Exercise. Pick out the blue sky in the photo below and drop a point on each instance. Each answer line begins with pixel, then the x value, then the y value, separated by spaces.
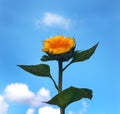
pixel 25 24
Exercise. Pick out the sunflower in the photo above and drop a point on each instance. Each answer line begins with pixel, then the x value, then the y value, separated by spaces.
pixel 58 45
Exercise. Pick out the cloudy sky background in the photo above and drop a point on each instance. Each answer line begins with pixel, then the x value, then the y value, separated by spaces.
pixel 25 24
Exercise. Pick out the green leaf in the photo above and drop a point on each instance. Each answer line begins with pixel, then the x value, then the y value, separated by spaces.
pixel 72 94
pixel 38 70
pixel 46 58
pixel 84 55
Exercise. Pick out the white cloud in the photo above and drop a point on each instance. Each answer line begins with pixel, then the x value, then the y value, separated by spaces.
pixel 41 96
pixel 48 110
pixel 30 111
pixel 20 93
pixel 53 20
pixel 84 105
pixel 44 92
pixel 3 105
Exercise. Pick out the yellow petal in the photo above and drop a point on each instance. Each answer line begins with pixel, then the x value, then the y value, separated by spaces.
pixel 58 44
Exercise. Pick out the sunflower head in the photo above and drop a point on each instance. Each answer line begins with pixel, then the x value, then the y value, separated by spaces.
pixel 59 47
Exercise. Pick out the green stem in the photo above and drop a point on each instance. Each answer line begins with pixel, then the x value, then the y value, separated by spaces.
pixel 62 110
pixel 60 77
pixel 54 82
pixel 67 66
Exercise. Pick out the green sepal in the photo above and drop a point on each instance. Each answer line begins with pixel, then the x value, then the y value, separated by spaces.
pixel 72 94
pixel 84 55
pixel 46 58
pixel 38 70
pixel 59 57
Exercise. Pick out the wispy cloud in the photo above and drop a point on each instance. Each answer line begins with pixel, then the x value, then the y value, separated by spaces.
pixel 82 111
pixel 48 109
pixel 53 20
pixel 3 105
pixel 20 93
pixel 30 111
pixel 84 107
pixel 70 112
